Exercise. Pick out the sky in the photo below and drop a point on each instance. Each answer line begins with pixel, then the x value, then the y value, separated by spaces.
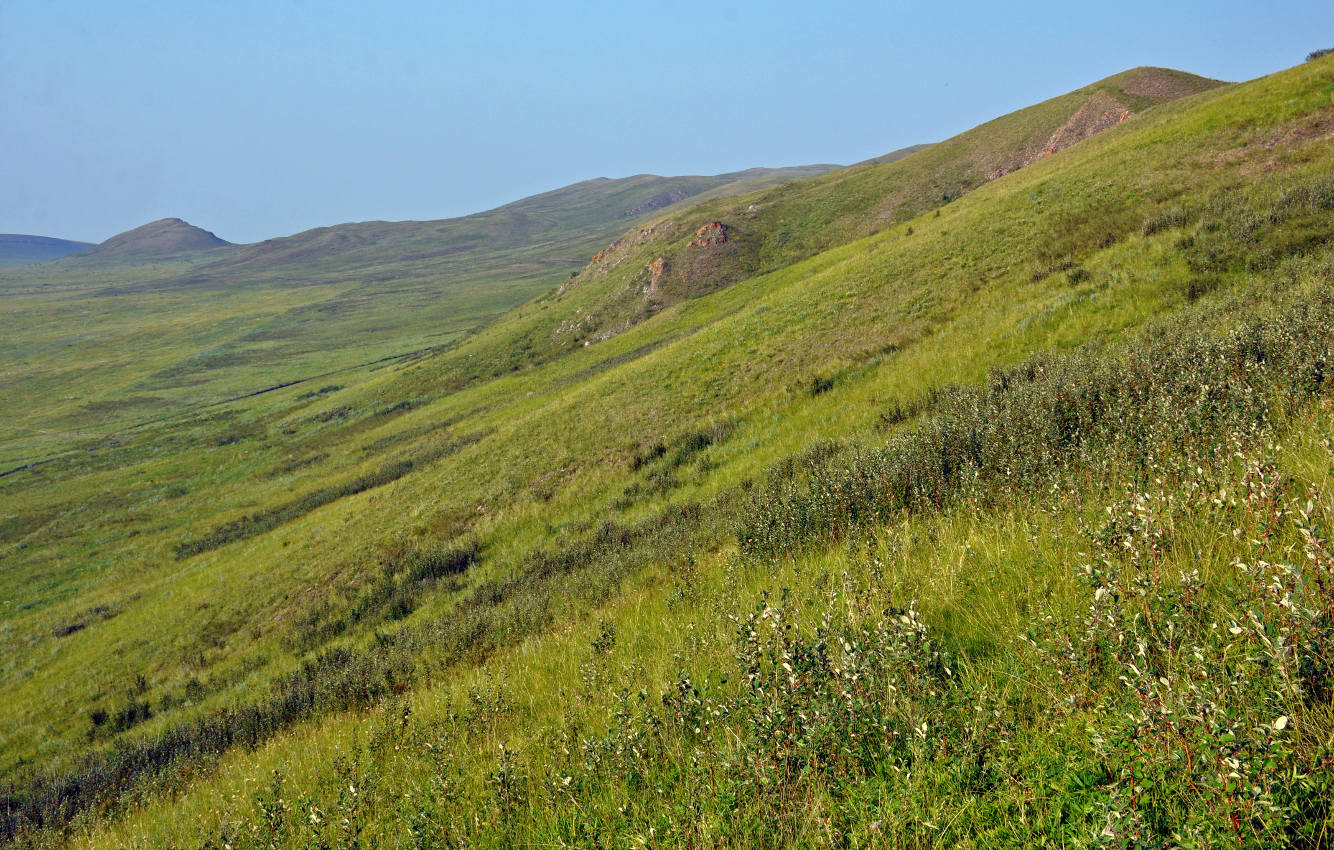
pixel 262 119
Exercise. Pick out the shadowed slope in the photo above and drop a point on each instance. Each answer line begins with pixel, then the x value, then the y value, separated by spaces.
pixel 17 249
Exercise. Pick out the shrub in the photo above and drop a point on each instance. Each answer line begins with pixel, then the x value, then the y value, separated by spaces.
pixel 1198 691
pixel 1168 218
pixel 815 385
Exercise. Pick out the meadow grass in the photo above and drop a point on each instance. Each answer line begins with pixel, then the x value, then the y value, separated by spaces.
pixel 641 721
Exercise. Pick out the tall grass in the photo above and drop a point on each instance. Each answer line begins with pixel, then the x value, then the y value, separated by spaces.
pixel 581 509
pixel 1053 421
pixel 1175 700
pixel 496 614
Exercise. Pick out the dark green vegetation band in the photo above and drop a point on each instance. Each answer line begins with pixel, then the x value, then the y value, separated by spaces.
pixel 497 614
pixel 1052 419
pixel 258 523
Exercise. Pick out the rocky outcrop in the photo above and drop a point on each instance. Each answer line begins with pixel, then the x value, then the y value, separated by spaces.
pixel 610 257
pixel 655 272
pixel 1102 112
pixel 713 233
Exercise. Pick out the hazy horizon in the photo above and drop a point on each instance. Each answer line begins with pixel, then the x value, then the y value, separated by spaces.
pixel 260 120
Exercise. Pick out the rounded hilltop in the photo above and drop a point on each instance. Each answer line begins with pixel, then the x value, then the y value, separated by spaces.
pixel 166 237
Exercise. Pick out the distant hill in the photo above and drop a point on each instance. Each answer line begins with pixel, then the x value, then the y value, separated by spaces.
pixel 231 319
pixel 545 222
pixel 163 239
pixel 18 249
pixel 527 238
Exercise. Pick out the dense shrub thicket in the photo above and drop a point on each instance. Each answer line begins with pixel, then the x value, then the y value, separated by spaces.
pixel 1195 710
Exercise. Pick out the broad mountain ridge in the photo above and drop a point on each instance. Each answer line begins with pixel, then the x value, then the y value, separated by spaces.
pixel 17 249
pixel 548 219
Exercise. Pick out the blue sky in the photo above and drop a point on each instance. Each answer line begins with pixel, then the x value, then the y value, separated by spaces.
pixel 258 119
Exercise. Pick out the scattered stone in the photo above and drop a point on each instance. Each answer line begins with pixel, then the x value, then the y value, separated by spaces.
pixel 713 233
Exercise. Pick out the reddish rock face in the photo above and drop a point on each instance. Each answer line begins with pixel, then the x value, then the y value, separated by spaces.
pixel 1102 112
pixel 713 233
pixel 655 270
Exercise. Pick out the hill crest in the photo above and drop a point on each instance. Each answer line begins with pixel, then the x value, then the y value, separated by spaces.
pixel 599 206
pixel 166 237
pixel 650 268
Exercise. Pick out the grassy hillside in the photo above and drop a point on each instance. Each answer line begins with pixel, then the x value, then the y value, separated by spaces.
pixel 20 250
pixel 996 526
pixel 709 246
pixel 167 317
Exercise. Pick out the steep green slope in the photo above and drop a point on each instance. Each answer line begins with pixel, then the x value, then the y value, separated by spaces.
pixel 183 319
pixel 21 250
pixel 714 245
pixel 520 612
